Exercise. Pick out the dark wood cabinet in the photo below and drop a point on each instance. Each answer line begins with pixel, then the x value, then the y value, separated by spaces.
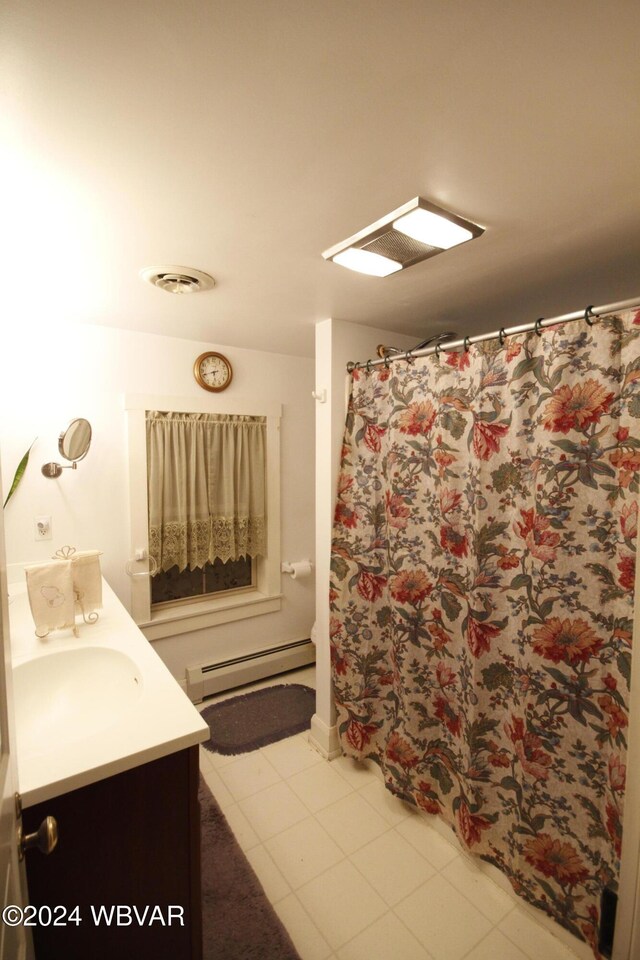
pixel 129 840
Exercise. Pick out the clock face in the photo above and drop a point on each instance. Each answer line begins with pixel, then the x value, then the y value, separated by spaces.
pixel 213 371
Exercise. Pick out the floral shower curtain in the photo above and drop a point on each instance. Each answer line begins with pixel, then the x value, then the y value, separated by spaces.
pixel 482 597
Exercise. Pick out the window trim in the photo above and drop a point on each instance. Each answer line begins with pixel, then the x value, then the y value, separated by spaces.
pixel 266 597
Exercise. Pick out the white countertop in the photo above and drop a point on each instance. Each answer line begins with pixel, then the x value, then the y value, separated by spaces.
pixel 159 722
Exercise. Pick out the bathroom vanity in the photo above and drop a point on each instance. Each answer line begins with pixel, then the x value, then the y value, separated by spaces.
pixel 107 744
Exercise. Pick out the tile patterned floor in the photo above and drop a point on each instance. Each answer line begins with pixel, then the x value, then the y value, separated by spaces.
pixel 354 873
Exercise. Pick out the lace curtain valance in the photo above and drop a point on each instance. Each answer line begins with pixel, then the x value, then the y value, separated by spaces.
pixel 207 488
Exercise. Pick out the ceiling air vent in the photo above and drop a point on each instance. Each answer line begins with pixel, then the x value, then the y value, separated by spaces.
pixel 177 279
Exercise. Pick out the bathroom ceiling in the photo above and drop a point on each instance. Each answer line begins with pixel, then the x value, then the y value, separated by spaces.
pixel 244 138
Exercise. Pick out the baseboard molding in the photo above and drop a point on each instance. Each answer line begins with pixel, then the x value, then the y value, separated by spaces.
pixel 324 738
pixel 203 680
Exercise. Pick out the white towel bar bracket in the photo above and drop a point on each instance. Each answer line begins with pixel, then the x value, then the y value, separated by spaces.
pixel 140 557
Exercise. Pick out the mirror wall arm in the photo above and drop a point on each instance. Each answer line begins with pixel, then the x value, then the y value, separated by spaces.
pixel 53 470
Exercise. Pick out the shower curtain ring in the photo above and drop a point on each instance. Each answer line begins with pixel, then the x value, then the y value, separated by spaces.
pixel 368 366
pixel 437 351
pixel 409 357
pixel 466 343
pixel 386 362
pixel 502 336
pixel 537 327
pixel 588 314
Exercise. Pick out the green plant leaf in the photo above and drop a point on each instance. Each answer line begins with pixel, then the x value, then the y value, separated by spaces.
pixel 22 466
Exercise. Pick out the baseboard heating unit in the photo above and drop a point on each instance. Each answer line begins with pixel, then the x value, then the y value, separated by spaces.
pixel 206 679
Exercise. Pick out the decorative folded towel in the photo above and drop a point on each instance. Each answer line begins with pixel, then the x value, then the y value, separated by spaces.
pixel 87 579
pixel 51 596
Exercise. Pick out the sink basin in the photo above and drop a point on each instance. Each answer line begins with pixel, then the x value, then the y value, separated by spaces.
pixel 68 696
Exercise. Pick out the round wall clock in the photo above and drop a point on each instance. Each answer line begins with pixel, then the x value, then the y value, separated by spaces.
pixel 213 371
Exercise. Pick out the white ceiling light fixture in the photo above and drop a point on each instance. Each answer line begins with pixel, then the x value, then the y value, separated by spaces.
pixel 414 232
pixel 432 229
pixel 363 261
pixel 174 279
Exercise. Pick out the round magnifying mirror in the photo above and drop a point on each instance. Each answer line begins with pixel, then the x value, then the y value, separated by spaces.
pixel 74 442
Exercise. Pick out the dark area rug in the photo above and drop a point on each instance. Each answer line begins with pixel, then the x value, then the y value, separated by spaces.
pixel 253 720
pixel 238 922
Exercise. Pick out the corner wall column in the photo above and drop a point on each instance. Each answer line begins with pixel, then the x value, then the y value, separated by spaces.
pixel 329 421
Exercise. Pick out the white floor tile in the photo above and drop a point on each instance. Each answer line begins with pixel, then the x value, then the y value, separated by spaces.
pixel 303 852
pixel 292 755
pixel 319 786
pixel 495 946
pixel 273 883
pixel 469 879
pixel 392 866
pixel 218 760
pixel 242 829
pixel 427 841
pixel 387 805
pixel 341 903
pixel 533 939
pixel 386 939
pixel 445 922
pixel 273 810
pixel 248 775
pixel 307 939
pixel 352 822
pixel 356 773
pixel 212 779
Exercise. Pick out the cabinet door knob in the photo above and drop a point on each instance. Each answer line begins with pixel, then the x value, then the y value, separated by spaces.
pixel 45 838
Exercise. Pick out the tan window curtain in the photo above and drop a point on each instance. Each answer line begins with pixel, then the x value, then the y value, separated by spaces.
pixel 207 488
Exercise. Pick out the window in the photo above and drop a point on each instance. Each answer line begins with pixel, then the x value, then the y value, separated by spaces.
pixel 169 586
pixel 206 487
pixel 214 538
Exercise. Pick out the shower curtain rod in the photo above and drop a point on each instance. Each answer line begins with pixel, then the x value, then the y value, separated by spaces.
pixel 450 345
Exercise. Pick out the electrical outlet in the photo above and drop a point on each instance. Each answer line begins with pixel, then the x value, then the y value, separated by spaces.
pixel 42 528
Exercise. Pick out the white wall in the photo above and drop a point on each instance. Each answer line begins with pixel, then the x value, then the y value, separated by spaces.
pixel 337 342
pixel 48 377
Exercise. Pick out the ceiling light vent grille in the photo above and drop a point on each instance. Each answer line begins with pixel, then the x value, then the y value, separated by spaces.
pixel 177 279
pixel 403 249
